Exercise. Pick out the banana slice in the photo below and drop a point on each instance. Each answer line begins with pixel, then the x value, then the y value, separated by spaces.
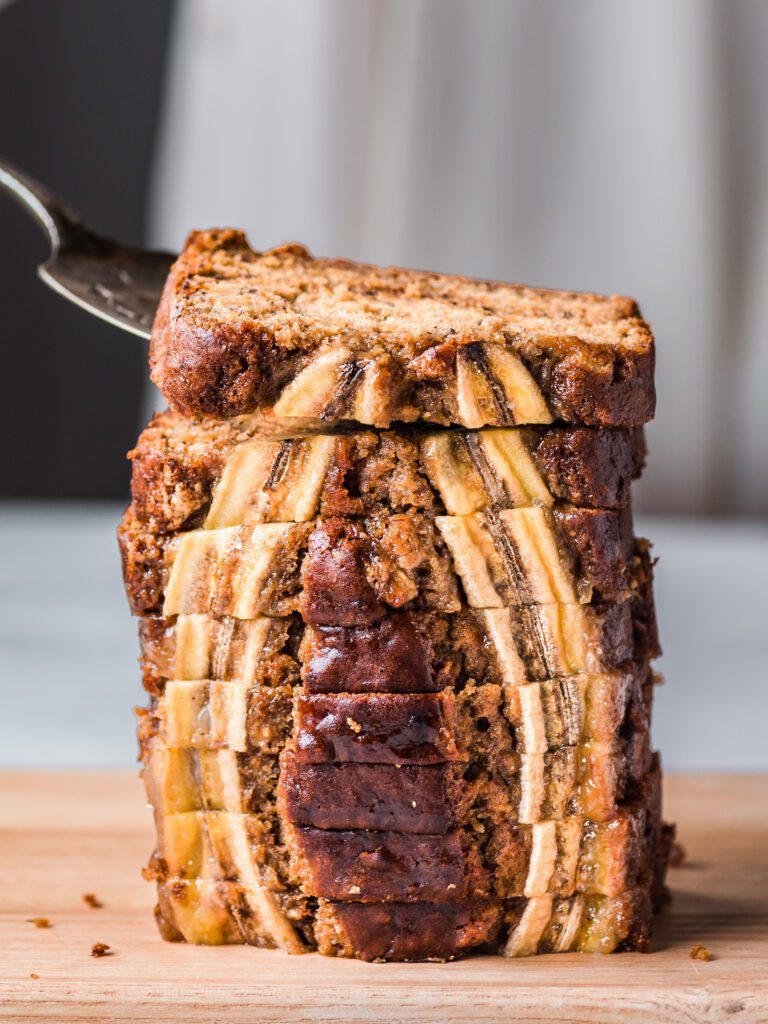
pixel 509 558
pixel 547 784
pixel 543 857
pixel 480 399
pixel 243 571
pixel 220 781
pixel 499 627
pixel 573 642
pixel 612 853
pixel 569 840
pixel 527 932
pixel 474 557
pixel 562 932
pixel 224 571
pixel 534 534
pixel 182 715
pixel 178 781
pixel 274 923
pixel 198 713
pixel 537 642
pixel 200 910
pixel 241 645
pixel 494 388
pixel 239 496
pixel 170 780
pixel 522 395
pixel 447 459
pixel 187 847
pixel 511 463
pixel 601 767
pixel 191 640
pixel 210 912
pixel 323 385
pixel 487 469
pixel 211 714
pixel 606 701
pixel 195 558
pixel 377 398
pixel 606 921
pixel 200 647
pixel 546 716
pixel 268 480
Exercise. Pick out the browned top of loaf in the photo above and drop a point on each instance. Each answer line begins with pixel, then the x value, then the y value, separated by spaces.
pixel 304 300
pixel 220 291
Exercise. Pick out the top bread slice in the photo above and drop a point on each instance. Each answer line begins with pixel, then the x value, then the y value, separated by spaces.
pixel 319 341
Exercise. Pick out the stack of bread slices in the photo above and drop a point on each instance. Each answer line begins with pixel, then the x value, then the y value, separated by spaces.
pixel 396 628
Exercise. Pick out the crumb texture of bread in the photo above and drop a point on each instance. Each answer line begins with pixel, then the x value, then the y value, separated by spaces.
pixel 239 331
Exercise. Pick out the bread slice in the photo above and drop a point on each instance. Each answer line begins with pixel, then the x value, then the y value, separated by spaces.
pixel 345 572
pixel 210 676
pixel 230 473
pixel 317 340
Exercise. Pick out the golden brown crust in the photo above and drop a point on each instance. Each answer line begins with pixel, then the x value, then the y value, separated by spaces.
pixel 235 327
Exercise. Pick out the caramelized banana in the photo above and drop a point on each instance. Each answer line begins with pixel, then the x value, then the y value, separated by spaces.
pixel 493 387
pixel 211 912
pixel 323 383
pixel 228 571
pixel 509 559
pixel 274 481
pixel 587 924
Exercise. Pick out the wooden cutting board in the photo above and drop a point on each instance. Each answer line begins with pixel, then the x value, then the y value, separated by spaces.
pixel 63 835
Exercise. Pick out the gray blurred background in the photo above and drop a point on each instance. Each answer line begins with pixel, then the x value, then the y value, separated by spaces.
pixel 609 145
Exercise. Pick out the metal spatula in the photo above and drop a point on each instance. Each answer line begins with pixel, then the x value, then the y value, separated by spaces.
pixel 115 282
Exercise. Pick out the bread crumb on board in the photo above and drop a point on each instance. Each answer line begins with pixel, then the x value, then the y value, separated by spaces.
pixel 92 900
pixel 40 922
pixel 34 976
pixel 699 952
pixel 101 949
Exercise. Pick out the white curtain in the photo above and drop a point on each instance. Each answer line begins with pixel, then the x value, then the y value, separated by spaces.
pixel 610 145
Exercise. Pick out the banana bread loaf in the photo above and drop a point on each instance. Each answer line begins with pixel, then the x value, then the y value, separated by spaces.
pixel 396 628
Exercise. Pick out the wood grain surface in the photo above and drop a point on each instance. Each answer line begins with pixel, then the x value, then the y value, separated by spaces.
pixel 64 835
